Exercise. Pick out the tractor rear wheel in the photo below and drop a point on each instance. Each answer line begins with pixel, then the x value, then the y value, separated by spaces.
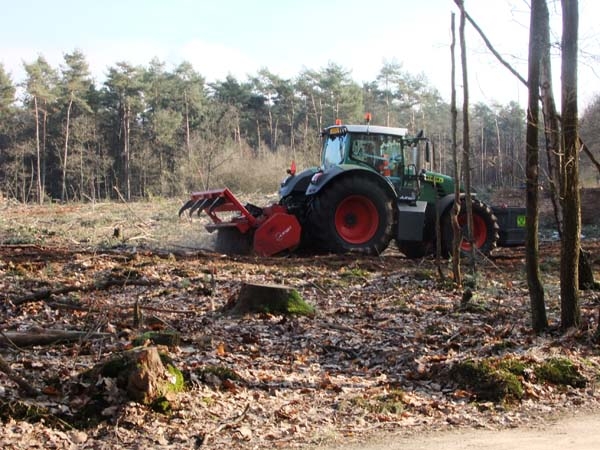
pixel 485 229
pixel 231 241
pixel 352 214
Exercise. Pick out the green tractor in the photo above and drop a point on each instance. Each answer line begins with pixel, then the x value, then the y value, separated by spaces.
pixel 372 187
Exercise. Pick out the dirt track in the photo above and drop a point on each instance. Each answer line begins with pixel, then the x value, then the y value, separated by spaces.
pixel 569 433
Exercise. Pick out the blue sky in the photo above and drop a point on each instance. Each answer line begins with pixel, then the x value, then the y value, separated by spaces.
pixel 240 36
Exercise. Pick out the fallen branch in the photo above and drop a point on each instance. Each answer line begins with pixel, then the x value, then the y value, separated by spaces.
pixel 229 424
pixel 21 382
pixel 45 337
pixel 45 294
pixel 74 307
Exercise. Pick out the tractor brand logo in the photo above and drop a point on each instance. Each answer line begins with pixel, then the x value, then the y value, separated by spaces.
pixel 434 179
pixel 521 221
pixel 279 236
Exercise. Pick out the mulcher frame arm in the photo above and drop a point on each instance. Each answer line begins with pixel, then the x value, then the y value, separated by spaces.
pixel 220 200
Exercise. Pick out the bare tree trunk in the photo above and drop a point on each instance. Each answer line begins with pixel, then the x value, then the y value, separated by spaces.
pixel 538 25
pixel 63 192
pixel 126 151
pixel 500 163
pixel 456 208
pixel 38 152
pixel 571 207
pixel 187 127
pixel 551 122
pixel 466 134
pixel 43 149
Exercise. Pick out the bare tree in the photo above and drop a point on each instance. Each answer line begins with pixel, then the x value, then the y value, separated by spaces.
pixel 539 25
pixel 456 208
pixel 569 171
pixel 466 153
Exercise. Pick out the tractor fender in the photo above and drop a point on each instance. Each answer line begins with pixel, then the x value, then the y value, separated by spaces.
pixel 322 179
pixel 444 204
pixel 297 183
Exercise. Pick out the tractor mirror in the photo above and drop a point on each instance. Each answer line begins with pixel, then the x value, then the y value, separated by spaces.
pixel 427 159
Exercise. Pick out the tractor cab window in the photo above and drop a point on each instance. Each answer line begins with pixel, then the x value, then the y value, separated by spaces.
pixel 375 149
pixel 334 149
pixel 412 159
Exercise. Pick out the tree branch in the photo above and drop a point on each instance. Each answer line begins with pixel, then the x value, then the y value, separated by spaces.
pixel 493 50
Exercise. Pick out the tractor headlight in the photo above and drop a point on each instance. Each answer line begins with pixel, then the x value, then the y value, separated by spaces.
pixel 316 177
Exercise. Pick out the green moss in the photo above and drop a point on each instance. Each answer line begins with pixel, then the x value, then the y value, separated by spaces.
pixel 177 380
pixel 221 372
pixel 168 338
pixel 296 305
pixel 488 383
pixel 114 367
pixel 513 366
pixel 354 273
pixel 391 403
pixel 560 371
pixel 161 405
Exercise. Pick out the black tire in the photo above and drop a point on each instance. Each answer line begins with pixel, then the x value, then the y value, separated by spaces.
pixel 415 249
pixel 231 241
pixel 485 229
pixel 352 214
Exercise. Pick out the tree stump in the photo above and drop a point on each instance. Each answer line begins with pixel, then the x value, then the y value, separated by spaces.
pixel 269 299
pixel 142 374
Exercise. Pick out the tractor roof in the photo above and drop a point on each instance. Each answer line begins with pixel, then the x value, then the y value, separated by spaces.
pixel 376 129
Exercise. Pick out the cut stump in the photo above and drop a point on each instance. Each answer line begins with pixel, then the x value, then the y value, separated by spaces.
pixel 269 299
pixel 142 373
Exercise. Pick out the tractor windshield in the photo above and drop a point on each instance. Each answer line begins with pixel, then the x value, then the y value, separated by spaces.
pixel 334 149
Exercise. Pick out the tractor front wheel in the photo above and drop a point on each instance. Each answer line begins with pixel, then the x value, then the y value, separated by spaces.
pixel 352 214
pixel 485 229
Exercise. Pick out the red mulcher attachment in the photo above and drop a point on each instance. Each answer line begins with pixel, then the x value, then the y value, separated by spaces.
pixel 274 229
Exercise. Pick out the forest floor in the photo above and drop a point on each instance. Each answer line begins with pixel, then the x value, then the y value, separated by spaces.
pixel 378 358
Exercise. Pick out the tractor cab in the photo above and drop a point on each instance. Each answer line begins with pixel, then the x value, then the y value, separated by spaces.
pixel 385 150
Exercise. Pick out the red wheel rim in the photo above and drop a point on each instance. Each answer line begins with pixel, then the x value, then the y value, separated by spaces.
pixel 356 219
pixel 479 231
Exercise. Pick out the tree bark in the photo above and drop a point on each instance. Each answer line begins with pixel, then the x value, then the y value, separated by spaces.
pixel 63 193
pixel 538 26
pixel 571 206
pixel 456 208
pixel 45 337
pixel 466 134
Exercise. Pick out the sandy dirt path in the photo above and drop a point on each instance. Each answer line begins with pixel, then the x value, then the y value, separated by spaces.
pixel 569 433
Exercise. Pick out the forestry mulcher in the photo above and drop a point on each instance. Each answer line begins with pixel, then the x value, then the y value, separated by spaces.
pixel 372 187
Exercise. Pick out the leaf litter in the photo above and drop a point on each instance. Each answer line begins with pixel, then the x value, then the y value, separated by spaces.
pixel 377 357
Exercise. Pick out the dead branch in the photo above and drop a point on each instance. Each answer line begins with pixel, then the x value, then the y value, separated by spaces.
pixel 232 422
pixel 45 294
pixel 493 50
pixel 45 337
pixel 97 310
pixel 590 155
pixel 21 382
